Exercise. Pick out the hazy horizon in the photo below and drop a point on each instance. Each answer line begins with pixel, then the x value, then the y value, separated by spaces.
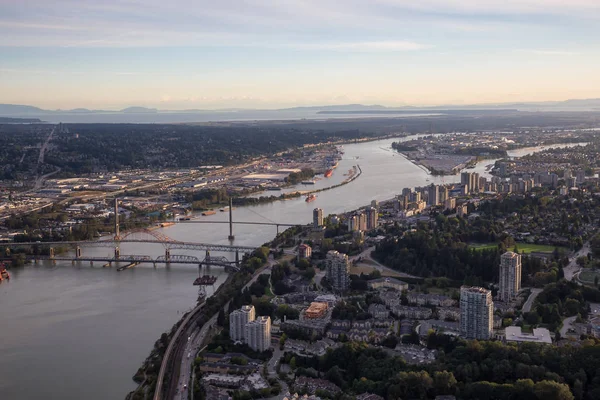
pixel 187 54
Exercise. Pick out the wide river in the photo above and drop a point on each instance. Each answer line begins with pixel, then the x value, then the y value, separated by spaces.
pixel 80 332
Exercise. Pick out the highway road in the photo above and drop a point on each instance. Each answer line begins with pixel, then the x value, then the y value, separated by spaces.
pixel 196 338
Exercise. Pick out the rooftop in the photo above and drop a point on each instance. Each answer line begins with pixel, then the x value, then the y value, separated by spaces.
pixel 539 335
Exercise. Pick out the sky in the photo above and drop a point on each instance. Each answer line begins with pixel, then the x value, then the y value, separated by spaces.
pixel 210 54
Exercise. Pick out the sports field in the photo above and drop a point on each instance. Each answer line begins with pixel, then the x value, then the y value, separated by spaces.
pixel 522 247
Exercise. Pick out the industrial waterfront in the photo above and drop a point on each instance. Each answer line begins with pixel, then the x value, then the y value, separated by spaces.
pixel 105 322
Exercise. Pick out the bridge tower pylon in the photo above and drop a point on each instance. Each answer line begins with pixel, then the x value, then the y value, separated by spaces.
pixel 117 233
pixel 167 255
pixel 231 237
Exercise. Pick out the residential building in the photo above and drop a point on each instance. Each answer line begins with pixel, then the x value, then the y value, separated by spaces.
pixel 371 218
pixel 387 283
pixel 539 335
pixel 450 203
pixel 316 310
pixel 317 217
pixel 510 276
pixel 412 312
pixel 462 210
pixel 379 311
pixel 476 312
pixel 433 197
pixel 353 223
pixel 338 267
pixel 449 313
pixel 362 221
pixel 304 251
pixel 238 320
pixel 258 333
pixel 438 300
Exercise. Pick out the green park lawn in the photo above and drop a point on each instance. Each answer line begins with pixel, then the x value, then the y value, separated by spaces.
pixel 522 247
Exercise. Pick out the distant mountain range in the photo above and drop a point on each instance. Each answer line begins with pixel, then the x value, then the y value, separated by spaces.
pixel 581 104
pixel 138 114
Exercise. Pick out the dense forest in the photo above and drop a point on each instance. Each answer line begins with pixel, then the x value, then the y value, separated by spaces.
pixel 443 250
pixel 110 147
pixel 468 369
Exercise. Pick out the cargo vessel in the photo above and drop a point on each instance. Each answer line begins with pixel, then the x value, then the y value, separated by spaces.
pixel 310 197
pixel 328 173
pixel 209 212
pixel 308 182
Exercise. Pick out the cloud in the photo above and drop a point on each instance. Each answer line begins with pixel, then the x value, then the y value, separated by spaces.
pixel 549 52
pixel 384 46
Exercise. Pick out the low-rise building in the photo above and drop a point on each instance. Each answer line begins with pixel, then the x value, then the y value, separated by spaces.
pixel 390 283
pixel 539 335
pixel 304 251
pixel 412 312
pixel 316 310
pixel 438 300
pixel 449 313
pixel 379 311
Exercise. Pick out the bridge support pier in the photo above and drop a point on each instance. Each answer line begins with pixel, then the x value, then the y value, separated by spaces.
pixel 7 251
pixel 237 258
pixel 53 262
pixel 78 252
pixel 51 252
pixel 91 263
pixel 277 230
pixel 167 255
pixel 72 262
pixel 117 253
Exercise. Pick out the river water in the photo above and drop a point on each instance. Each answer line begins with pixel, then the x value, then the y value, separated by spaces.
pixel 80 332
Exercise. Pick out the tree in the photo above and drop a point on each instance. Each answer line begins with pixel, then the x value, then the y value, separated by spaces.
pixel 444 382
pixel 221 318
pixel 549 390
pixel 302 264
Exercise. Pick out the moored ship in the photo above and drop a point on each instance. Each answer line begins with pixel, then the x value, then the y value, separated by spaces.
pixel 328 173
pixel 310 197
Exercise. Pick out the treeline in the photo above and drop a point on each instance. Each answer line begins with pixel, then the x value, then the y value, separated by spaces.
pixel 110 147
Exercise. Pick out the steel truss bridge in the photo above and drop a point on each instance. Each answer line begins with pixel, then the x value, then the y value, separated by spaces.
pixel 140 236
pixel 133 260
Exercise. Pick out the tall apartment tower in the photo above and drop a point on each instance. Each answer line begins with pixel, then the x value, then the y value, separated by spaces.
pixel 362 221
pixel 237 322
pixel 465 180
pixel 371 218
pixel 317 217
pixel 510 275
pixel 337 270
pixel 433 197
pixel 258 334
pixel 352 223
pixel 474 185
pixel 476 313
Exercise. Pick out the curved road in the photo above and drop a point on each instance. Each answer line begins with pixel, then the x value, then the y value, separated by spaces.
pixel 572 269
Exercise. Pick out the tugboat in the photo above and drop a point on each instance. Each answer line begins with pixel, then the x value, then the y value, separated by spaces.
pixel 310 197
pixel 328 173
